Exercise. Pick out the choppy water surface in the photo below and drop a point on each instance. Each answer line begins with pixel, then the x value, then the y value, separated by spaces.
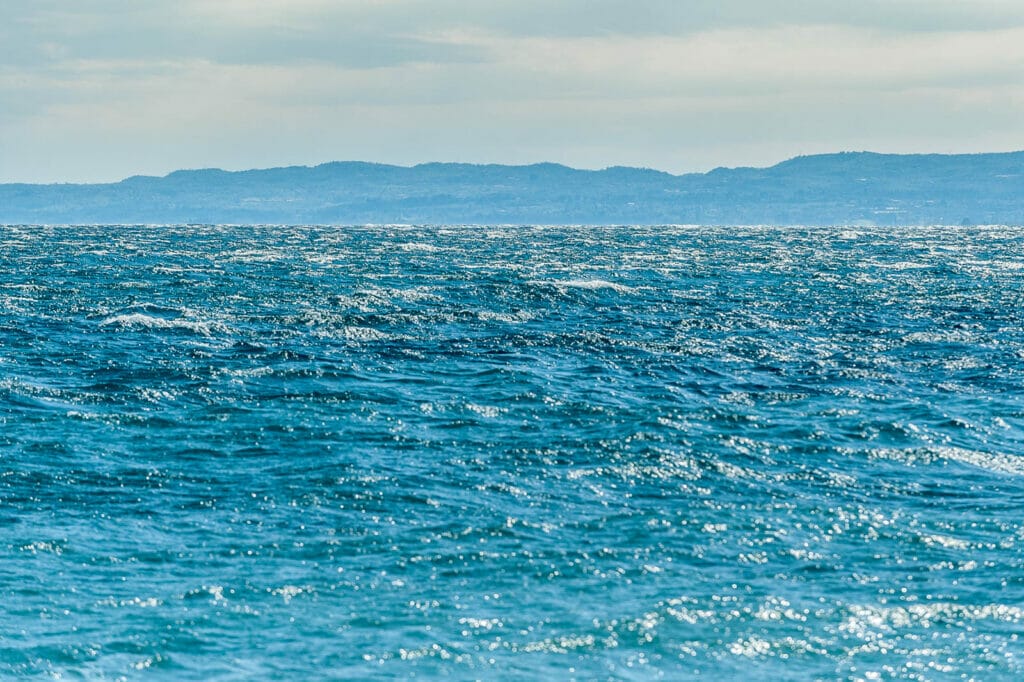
pixel 512 452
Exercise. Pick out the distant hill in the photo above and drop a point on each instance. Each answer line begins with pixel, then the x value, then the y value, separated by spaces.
pixel 845 188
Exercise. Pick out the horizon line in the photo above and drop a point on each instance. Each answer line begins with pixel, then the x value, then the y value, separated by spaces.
pixel 213 169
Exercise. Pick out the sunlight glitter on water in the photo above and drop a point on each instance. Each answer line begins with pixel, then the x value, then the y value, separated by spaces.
pixel 512 451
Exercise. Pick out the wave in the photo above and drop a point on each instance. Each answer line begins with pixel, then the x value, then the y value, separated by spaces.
pixel 991 461
pixel 143 321
pixel 586 284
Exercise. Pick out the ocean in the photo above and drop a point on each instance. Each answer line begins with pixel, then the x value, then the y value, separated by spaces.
pixel 235 452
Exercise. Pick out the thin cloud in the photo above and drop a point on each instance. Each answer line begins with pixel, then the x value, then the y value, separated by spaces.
pixel 99 89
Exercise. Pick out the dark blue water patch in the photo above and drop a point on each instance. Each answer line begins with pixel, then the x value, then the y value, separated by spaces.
pixel 483 452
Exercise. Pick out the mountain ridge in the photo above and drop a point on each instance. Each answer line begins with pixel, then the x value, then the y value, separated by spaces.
pixel 835 188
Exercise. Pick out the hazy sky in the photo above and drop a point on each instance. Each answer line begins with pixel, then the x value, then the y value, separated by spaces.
pixel 100 89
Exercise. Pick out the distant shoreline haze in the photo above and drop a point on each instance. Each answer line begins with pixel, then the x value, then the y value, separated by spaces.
pixel 848 188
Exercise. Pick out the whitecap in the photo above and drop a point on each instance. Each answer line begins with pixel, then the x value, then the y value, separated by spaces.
pixel 418 246
pixel 487 411
pixel 141 320
pixel 945 541
pixel 991 461
pixel 352 333
pixel 587 284
pixel 512 318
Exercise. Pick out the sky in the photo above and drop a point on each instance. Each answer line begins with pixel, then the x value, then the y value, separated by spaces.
pixel 97 90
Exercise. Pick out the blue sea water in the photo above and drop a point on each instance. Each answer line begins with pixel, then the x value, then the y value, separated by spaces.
pixel 511 452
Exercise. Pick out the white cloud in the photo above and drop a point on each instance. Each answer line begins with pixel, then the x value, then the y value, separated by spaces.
pixel 747 61
pixel 92 94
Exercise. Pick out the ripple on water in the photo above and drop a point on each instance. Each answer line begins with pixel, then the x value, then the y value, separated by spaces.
pixel 584 452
